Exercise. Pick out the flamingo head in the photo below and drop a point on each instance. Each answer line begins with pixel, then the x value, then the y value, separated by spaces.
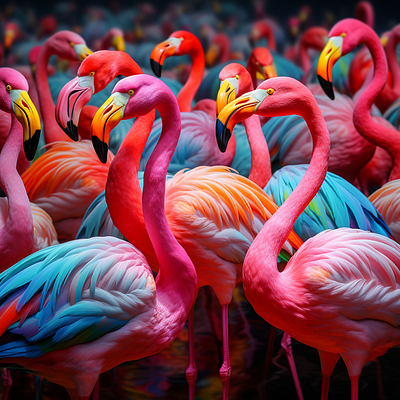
pixel 275 97
pixel 132 97
pixel 346 35
pixel 94 74
pixel 178 44
pixel 261 64
pixel 14 99
pixel 230 77
pixel 68 45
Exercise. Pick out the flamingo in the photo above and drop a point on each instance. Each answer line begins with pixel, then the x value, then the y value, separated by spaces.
pixel 344 36
pixel 340 291
pixel 337 204
pixel 208 209
pixel 104 306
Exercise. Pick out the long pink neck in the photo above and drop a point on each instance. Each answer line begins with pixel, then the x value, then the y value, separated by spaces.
pixel 224 44
pixel 52 132
pixel 19 220
pixel 123 191
pixel 260 169
pixel 261 258
pixel 176 281
pixel 390 51
pixel 186 94
pixel 365 13
pixel 371 130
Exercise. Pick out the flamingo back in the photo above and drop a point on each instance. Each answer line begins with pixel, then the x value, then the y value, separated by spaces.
pixel 387 201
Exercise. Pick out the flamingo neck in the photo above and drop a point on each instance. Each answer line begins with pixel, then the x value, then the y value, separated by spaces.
pixel 390 51
pixel 176 281
pixel 269 35
pixel 260 169
pixel 123 191
pixel 370 129
pixel 261 258
pixel 305 61
pixel 189 89
pixel 365 12
pixel 52 132
pixel 225 48
pixel 19 210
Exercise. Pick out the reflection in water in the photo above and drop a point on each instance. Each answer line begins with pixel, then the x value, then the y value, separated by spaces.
pixel 162 376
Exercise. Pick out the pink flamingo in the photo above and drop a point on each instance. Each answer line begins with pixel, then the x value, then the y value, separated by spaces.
pixel 104 305
pixel 261 30
pixel 261 65
pixel 344 36
pixel 24 227
pixel 365 12
pixel 113 38
pixel 339 291
pixel 208 210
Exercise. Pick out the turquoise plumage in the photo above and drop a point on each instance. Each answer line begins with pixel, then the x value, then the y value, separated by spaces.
pixel 392 114
pixel 72 293
pixel 337 204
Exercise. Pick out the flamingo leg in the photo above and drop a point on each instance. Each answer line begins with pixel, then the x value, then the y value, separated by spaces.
pixel 355 363
pixel 328 362
pixel 286 344
pixel 268 360
pixel 7 383
pixel 354 387
pixel 225 370
pixel 191 371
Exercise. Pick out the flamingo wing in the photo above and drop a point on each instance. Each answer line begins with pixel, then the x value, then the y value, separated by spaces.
pixel 338 204
pixel 352 273
pixel 218 210
pixel 72 293
pixel 45 233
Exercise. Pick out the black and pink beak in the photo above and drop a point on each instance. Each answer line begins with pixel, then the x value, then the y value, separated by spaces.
pixel 72 98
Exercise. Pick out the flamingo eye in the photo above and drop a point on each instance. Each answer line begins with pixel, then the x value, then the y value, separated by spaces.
pixel 91 73
pixel 237 77
pixel 8 87
pixel 182 38
pixel 72 44
pixel 270 91
pixel 130 92
pixel 343 34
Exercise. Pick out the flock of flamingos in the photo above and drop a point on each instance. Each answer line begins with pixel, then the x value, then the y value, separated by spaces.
pixel 245 165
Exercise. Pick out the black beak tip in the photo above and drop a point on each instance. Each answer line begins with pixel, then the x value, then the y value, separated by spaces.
pixel 30 145
pixel 101 149
pixel 71 130
pixel 223 136
pixel 156 67
pixel 327 87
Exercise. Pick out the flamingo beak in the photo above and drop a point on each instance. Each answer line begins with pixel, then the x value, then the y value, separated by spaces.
pixel 119 43
pixel 226 93
pixel 329 55
pixel 161 52
pixel 27 115
pixel 72 98
pixel 82 51
pixel 236 111
pixel 211 55
pixel 269 72
pixel 107 117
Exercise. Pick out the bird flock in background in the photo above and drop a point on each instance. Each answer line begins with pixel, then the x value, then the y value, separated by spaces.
pixel 146 155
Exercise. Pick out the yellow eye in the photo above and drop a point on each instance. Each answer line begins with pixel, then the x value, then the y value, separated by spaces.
pixel 270 91
pixel 91 73
pixel 237 77
pixel 343 35
pixel 182 38
pixel 130 92
pixel 8 87
pixel 72 44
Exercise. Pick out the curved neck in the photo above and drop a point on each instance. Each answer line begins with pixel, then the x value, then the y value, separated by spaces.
pixel 390 51
pixel 186 94
pixel 268 34
pixel 274 233
pixel 365 12
pixel 52 132
pixel 19 209
pixel 370 129
pixel 176 281
pixel 260 169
